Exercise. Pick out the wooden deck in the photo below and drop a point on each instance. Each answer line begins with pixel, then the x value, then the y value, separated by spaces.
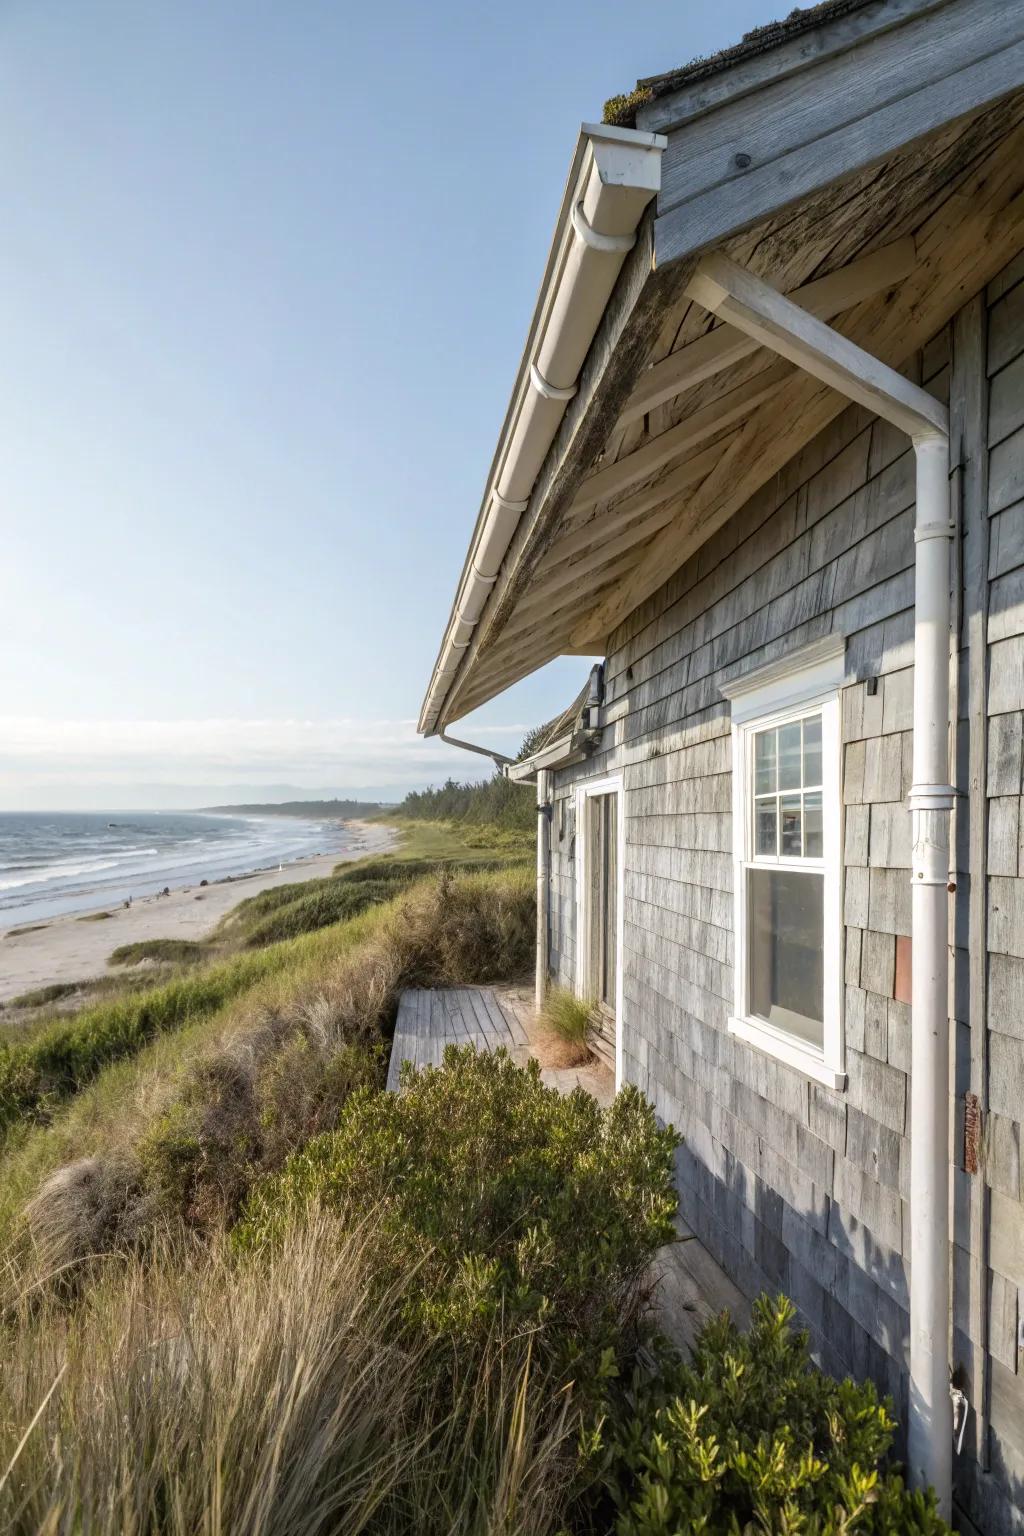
pixel 430 1019
pixel 691 1286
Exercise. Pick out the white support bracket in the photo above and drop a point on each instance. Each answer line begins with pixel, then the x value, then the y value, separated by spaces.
pixel 754 307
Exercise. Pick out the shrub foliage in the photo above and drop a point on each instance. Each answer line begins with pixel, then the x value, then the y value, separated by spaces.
pixel 517 1206
pixel 750 1436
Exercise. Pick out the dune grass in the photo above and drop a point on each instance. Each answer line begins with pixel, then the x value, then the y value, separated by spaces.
pixel 180 1132
pixel 39 997
pixel 164 951
pixel 281 1395
pixel 567 1015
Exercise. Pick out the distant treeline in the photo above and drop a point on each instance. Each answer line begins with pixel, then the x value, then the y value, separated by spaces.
pixel 313 810
pixel 496 802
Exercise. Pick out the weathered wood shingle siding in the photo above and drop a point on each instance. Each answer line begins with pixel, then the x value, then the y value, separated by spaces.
pixel 789 1184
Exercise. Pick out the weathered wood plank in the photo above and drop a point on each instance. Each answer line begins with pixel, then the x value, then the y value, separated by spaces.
pixel 720 348
pixel 710 216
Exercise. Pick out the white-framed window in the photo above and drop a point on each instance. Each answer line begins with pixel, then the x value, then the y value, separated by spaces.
pixel 787 852
pixel 600 884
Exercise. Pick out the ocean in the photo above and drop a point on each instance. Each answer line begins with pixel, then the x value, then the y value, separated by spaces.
pixel 51 862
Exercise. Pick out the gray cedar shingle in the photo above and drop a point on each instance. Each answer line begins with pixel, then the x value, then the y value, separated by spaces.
pixel 889 900
pixel 1005 741
pixel 883 768
pixel 1006 540
pixel 1006 917
pixel 1006 676
pixel 1003 834
pixel 1006 994
pixel 1006 1074
pixel 1002 1155
pixel 828 1112
pixel 878 1089
pixel 873 1147
pixel 855 842
pixel 890 843
pixel 855 901
pixel 1007 1237
pixel 878 963
pixel 1006 472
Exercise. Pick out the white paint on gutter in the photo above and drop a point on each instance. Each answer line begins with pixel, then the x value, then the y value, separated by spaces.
pixel 775 321
pixel 614 175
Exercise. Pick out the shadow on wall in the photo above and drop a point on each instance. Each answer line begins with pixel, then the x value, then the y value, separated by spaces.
pixel 851 1292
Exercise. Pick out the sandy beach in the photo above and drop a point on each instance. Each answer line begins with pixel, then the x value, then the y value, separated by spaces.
pixel 77 947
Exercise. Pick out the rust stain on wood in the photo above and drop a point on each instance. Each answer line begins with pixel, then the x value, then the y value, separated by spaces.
pixel 972 1132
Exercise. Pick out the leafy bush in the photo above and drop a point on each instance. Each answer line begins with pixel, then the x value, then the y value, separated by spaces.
pixel 517 1207
pixel 165 951
pixel 749 1436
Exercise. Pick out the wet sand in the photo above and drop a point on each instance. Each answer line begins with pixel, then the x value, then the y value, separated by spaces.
pixel 78 946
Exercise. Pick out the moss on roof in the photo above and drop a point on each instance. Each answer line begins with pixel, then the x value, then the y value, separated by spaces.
pixel 621 110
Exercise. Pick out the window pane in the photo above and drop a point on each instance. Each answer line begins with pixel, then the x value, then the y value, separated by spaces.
pixel 814 843
pixel 764 762
pixel 789 756
pixel 812 750
pixel 786 969
pixel 791 819
pixel 764 826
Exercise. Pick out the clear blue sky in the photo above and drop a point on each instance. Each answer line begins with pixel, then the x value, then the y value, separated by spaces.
pixel 265 276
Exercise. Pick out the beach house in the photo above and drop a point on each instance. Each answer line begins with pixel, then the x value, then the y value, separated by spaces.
pixel 764 463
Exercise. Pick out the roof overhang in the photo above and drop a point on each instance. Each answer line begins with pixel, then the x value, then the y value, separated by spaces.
pixel 615 172
pixel 883 220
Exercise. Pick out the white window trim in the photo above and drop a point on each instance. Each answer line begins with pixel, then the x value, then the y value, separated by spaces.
pixel 610 785
pixel 809 679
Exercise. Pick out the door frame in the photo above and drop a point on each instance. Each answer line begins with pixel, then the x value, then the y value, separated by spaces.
pixel 590 789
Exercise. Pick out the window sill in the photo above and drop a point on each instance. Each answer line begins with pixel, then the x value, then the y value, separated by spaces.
pixel 763 1038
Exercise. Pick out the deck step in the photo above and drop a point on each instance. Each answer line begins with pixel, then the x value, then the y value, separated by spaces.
pixel 431 1018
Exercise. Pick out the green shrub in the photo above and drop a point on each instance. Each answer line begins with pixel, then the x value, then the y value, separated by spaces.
pixel 750 1436
pixel 518 1208
pixel 165 951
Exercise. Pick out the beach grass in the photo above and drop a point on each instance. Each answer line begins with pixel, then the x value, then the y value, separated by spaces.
pixel 114 1075
pixel 164 951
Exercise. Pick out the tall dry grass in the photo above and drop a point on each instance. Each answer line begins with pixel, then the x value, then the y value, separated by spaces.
pixel 279 1397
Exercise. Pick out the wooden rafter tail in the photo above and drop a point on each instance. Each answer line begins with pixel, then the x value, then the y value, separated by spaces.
pixel 825 297
pixel 643 462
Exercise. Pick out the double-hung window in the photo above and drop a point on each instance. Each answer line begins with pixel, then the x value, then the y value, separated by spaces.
pixel 787 823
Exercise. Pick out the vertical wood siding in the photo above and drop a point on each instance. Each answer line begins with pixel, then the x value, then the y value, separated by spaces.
pixel 790 1185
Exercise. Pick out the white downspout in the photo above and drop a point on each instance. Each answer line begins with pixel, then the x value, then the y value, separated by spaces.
pixel 759 310
pixel 930 1429
pixel 543 884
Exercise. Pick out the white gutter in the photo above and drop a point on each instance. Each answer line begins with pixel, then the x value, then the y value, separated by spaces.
pixel 614 175
pixel 776 322
pixel 543 885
